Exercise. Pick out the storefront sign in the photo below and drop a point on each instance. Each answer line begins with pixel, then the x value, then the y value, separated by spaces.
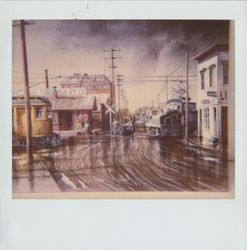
pixel 212 93
pixel 204 101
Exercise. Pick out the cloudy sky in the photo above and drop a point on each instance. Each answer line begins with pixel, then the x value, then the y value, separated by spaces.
pixel 148 48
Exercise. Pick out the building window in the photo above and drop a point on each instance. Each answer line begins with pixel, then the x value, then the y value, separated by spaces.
pixel 39 113
pixel 211 75
pixel 226 95
pixel 206 118
pixel 202 72
pixel 225 73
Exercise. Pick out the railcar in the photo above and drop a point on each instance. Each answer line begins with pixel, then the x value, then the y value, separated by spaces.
pixel 41 122
pixel 172 122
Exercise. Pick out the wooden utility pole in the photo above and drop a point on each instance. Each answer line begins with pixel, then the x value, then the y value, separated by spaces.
pixel 186 99
pixel 113 67
pixel 26 95
pixel 46 79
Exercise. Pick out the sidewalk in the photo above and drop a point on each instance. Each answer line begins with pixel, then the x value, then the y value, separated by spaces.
pixel 197 142
pixel 40 182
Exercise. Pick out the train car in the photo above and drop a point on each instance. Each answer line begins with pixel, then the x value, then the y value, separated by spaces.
pixel 41 122
pixel 172 122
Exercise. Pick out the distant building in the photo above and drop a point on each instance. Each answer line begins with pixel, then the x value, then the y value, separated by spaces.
pixel 213 93
pixel 94 84
pixel 96 90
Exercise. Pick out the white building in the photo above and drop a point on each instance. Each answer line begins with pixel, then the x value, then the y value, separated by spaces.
pixel 213 94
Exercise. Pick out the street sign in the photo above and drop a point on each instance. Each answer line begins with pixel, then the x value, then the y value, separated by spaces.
pixel 109 109
pixel 212 93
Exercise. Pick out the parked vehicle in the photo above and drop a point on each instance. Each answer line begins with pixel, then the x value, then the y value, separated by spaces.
pixel 128 128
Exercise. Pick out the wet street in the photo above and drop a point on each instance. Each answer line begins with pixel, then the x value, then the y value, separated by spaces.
pixel 131 163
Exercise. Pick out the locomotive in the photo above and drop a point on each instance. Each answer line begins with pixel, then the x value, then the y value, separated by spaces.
pixel 172 121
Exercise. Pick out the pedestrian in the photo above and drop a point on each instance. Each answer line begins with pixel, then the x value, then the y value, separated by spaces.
pixel 81 121
pixel 87 128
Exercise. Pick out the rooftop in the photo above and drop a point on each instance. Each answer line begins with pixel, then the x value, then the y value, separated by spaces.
pixel 80 79
pixel 34 100
pixel 211 50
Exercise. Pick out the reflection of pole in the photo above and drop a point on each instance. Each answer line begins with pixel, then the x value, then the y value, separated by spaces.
pixel 110 118
pixel 119 99
pixel 26 94
pixel 186 98
pixel 119 109
pixel 166 89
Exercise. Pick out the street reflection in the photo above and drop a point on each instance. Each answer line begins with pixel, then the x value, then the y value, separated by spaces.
pixel 117 163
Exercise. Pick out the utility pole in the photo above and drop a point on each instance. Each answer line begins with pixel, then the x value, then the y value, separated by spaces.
pixel 26 94
pixel 46 79
pixel 166 89
pixel 119 80
pixel 186 99
pixel 113 67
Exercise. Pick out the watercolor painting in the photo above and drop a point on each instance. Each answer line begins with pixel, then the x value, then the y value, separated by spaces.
pixel 122 106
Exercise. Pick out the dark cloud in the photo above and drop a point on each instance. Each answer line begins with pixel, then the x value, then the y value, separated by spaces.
pixel 178 35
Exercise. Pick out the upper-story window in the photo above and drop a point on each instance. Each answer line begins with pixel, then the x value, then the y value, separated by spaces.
pixel 211 75
pixel 202 72
pixel 225 72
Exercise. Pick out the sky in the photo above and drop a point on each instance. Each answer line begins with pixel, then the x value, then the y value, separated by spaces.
pixel 149 49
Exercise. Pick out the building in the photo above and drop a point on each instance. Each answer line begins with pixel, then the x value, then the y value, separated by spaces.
pixel 98 85
pixel 68 105
pixel 88 95
pixel 40 116
pixel 213 94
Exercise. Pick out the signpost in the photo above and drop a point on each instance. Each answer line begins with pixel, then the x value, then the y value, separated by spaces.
pixel 111 112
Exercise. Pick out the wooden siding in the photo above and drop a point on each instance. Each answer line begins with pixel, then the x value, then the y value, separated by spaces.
pixel 40 127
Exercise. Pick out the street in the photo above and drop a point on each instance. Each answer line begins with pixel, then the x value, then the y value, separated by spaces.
pixel 117 163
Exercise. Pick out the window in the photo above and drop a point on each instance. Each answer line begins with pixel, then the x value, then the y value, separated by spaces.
pixel 225 73
pixel 206 118
pixel 226 95
pixel 39 113
pixel 211 75
pixel 202 72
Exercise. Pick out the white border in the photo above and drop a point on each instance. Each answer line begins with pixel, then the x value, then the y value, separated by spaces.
pixel 122 224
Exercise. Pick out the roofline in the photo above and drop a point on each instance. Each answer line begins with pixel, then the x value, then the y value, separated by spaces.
pixel 43 98
pixel 211 50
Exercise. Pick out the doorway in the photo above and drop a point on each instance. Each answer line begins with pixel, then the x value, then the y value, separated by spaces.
pixel 224 125
pixel 65 121
pixel 215 121
pixel 200 123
